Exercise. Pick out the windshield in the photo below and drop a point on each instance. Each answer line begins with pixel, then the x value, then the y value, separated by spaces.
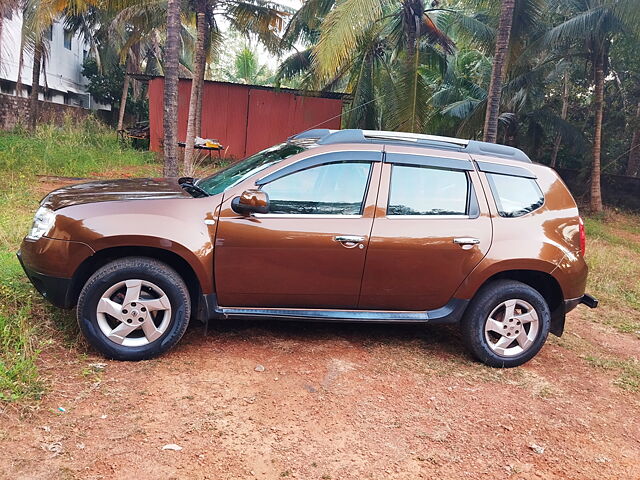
pixel 234 174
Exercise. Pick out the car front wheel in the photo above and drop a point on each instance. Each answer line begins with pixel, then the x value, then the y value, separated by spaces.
pixel 134 308
pixel 506 323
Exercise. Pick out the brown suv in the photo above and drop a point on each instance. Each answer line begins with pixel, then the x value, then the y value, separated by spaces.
pixel 345 225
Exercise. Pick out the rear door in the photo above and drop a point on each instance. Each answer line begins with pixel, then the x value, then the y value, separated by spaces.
pixel 432 227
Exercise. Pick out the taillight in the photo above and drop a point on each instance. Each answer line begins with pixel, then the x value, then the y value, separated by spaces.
pixel 583 237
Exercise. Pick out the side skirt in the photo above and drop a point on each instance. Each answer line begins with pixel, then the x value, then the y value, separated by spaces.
pixel 450 313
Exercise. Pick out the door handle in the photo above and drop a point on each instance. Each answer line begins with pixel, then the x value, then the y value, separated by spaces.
pixel 466 241
pixel 349 238
pixel 350 241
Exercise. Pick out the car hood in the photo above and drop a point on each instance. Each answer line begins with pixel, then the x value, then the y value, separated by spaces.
pixel 113 191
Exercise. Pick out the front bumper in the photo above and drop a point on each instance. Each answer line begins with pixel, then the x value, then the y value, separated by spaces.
pixel 50 265
pixel 55 289
pixel 585 299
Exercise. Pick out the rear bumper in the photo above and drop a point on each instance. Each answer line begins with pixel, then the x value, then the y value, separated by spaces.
pixel 56 290
pixel 585 299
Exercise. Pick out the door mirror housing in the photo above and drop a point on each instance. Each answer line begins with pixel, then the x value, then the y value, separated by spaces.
pixel 251 201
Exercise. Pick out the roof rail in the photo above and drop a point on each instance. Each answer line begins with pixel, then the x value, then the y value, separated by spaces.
pixel 496 150
pixel 317 133
pixel 412 137
pixel 328 137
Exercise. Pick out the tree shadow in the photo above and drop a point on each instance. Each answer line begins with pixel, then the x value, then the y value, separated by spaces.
pixel 438 340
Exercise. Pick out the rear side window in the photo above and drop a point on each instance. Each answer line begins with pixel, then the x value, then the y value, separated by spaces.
pixel 427 191
pixel 515 196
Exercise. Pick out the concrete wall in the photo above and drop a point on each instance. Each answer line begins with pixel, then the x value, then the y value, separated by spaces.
pixel 14 111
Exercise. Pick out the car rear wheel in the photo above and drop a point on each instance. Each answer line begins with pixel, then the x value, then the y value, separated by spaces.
pixel 134 308
pixel 506 323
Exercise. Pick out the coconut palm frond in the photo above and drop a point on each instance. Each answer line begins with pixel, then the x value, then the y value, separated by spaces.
pixel 296 64
pixel 265 20
pixel 340 32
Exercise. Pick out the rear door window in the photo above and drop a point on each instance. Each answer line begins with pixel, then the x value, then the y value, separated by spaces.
pixel 515 196
pixel 417 190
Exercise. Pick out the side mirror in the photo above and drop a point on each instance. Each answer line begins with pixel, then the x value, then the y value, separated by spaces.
pixel 251 201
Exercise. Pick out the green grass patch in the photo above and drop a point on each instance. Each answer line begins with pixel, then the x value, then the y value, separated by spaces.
pixel 613 255
pixel 18 349
pixel 599 229
pixel 72 150
pixel 628 370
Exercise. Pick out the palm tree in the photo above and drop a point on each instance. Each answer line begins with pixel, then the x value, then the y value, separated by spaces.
pixel 591 27
pixel 375 50
pixel 563 115
pixel 196 86
pixel 38 18
pixel 497 72
pixel 249 17
pixel 171 64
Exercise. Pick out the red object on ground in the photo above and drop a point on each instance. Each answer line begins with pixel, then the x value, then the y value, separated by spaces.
pixel 245 118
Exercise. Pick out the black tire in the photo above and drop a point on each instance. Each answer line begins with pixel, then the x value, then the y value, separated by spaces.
pixel 146 270
pixel 488 298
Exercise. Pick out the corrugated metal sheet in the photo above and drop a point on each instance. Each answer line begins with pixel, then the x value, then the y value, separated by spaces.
pixel 244 118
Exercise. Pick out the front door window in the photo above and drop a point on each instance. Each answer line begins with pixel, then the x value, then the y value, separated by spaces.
pixel 332 189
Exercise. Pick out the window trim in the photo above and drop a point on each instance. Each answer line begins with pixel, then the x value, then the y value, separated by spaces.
pixel 322 215
pixel 342 156
pixel 500 169
pixel 413 160
pixel 305 215
pixel 496 196
pixel 472 207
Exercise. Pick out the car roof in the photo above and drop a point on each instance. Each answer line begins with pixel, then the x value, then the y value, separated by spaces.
pixel 323 136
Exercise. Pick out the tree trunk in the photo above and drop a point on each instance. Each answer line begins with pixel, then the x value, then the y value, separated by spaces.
pixel 596 193
pixel 35 86
pixel 563 116
pixel 633 165
pixel 1 27
pixel 129 65
pixel 20 65
pixel 195 98
pixel 123 102
pixel 171 66
pixel 201 88
pixel 497 72
pixel 134 67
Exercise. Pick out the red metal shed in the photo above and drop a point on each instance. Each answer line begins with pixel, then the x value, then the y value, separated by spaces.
pixel 245 118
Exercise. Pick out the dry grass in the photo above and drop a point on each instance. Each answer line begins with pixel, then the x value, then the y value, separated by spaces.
pixel 614 275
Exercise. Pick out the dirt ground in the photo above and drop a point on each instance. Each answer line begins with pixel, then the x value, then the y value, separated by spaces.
pixel 333 402
pixel 273 400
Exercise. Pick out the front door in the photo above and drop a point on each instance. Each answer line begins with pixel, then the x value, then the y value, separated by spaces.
pixel 432 228
pixel 309 250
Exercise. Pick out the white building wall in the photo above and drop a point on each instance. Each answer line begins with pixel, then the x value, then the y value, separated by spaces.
pixel 63 65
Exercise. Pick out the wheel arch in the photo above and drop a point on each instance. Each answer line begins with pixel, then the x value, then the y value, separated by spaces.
pixel 102 257
pixel 545 284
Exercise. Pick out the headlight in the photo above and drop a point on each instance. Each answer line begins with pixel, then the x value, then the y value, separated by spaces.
pixel 42 223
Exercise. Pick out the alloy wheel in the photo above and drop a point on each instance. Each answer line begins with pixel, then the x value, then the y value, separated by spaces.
pixel 133 313
pixel 512 328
